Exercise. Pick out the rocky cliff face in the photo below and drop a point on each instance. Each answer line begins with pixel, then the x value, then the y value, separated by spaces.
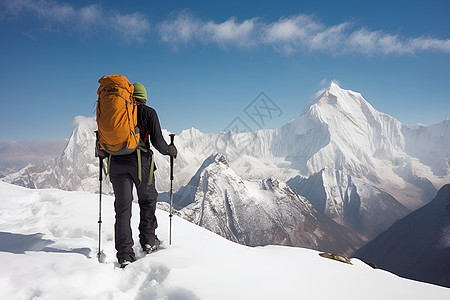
pixel 259 212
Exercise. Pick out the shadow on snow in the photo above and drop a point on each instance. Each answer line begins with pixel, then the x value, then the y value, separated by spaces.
pixel 20 243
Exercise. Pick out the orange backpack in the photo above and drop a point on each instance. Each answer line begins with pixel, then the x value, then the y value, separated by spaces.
pixel 118 133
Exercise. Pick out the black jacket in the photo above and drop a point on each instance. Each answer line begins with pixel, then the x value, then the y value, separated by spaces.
pixel 150 129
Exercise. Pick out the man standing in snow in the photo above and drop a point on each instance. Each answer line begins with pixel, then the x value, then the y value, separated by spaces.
pixel 124 172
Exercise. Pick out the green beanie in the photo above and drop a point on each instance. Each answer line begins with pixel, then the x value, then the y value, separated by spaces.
pixel 140 92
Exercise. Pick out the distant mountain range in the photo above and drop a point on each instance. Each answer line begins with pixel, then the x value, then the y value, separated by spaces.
pixel 340 160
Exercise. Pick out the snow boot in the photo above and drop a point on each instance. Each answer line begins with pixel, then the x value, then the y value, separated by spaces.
pixel 124 263
pixel 147 248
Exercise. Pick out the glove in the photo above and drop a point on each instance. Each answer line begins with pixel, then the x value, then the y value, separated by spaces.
pixel 173 151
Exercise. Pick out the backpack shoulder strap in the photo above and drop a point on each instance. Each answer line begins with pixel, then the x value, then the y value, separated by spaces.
pixel 152 165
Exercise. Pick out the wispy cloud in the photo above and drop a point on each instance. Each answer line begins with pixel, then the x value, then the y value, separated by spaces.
pixel 295 34
pixel 131 26
pixel 288 35
pixel 302 33
pixel 232 33
pixel 44 10
pixel 59 16
pixel 182 29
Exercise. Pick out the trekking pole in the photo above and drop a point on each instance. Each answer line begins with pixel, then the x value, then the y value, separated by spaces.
pixel 100 255
pixel 172 137
pixel 100 178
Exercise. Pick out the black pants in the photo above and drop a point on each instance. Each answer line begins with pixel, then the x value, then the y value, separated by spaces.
pixel 123 174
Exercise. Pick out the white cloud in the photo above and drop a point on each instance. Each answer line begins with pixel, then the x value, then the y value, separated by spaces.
pixel 376 42
pixel 89 14
pixel 325 83
pixel 424 43
pixel 46 11
pixel 231 33
pixel 289 30
pixel 299 33
pixel 58 16
pixel 288 35
pixel 328 38
pixel 80 120
pixel 133 27
pixel 303 33
pixel 182 28
pixel 379 43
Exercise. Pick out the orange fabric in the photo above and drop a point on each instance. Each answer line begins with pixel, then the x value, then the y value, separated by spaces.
pixel 117 115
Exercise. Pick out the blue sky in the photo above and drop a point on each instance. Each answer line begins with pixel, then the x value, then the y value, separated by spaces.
pixel 204 62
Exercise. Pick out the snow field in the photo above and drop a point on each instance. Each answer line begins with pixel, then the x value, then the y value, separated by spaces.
pixel 48 247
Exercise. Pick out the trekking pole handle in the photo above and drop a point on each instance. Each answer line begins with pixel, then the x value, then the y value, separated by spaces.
pixel 100 164
pixel 172 137
pixel 100 159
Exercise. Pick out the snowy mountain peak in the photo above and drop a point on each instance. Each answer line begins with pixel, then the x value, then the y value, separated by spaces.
pixel 334 95
pixel 215 166
pixel 82 136
pixel 345 100
pixel 335 89
pixel 354 133
pixel 214 159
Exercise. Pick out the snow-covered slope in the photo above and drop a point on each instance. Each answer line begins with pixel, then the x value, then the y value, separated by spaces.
pixel 417 246
pixel 48 245
pixel 254 213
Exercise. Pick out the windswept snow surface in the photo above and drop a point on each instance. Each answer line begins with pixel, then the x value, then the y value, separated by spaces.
pixel 48 246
